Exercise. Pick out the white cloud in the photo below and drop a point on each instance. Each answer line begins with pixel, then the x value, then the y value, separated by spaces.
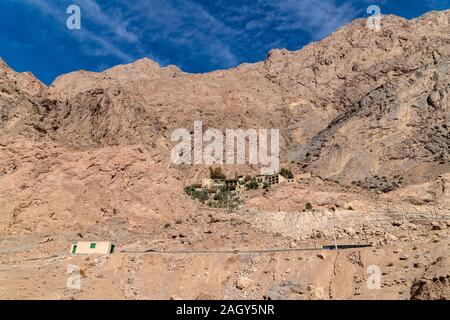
pixel 92 44
pixel 186 24
pixel 318 18
pixel 112 20
pixel 223 37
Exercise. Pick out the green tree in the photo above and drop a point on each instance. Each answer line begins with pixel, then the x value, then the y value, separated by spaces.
pixel 201 195
pixel 225 198
pixel 252 185
pixel 216 174
pixel 286 173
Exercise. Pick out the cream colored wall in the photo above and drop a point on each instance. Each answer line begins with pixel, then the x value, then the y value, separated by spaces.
pixel 206 182
pixel 84 247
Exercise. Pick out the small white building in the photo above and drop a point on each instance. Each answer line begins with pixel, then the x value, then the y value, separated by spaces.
pixel 85 247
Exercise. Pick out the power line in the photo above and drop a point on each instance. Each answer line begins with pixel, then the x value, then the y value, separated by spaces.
pixel 327 12
pixel 333 16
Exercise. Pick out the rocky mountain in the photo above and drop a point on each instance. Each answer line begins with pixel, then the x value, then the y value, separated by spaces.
pixel 364 122
pixel 360 107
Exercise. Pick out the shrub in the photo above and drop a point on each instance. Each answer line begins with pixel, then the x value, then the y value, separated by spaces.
pixel 252 185
pixel 202 195
pixel 189 190
pixel 222 195
pixel 308 206
pixel 216 174
pixel 226 199
pixel 286 173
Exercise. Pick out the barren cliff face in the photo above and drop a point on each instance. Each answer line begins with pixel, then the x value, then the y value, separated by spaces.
pixel 362 108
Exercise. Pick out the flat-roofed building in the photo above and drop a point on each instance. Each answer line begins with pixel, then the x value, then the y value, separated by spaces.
pixel 208 183
pixel 272 179
pixel 231 184
pixel 85 247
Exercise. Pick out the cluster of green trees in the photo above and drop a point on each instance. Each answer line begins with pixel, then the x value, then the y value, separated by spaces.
pixel 202 195
pixel 226 199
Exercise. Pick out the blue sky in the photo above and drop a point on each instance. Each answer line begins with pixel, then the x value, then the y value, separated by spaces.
pixel 196 35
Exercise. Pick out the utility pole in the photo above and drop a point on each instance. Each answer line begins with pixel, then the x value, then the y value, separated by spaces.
pixel 334 234
pixel 365 234
pixel 314 238
pixel 407 226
